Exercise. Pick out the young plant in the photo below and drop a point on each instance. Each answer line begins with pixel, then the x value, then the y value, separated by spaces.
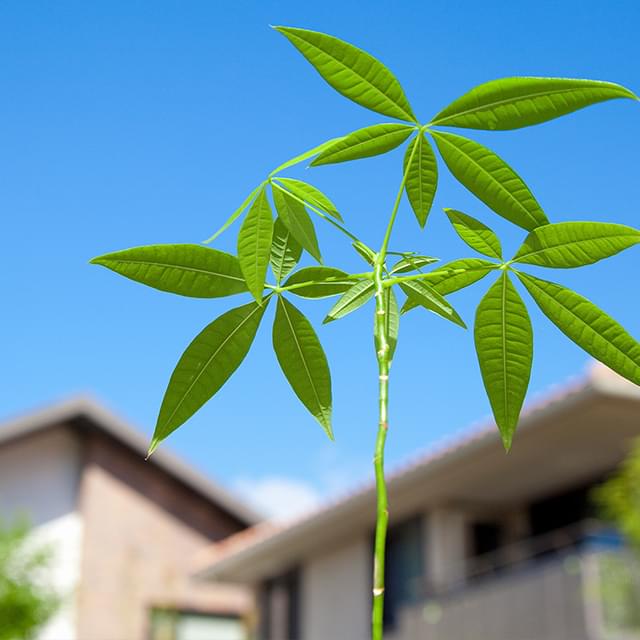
pixel 502 329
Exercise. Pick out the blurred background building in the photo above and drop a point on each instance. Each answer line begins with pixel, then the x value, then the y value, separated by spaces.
pixel 482 544
pixel 123 531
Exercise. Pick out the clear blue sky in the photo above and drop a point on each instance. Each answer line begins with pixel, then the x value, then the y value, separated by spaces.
pixel 130 123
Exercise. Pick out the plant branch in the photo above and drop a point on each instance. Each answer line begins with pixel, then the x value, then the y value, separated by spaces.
pixel 437 274
pixel 317 211
pixel 382 254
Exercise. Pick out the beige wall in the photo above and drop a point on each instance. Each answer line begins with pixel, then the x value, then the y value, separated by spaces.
pixel 142 531
pixel 39 478
pixel 336 591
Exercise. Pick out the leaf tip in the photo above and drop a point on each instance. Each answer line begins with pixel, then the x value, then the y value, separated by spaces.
pixel 506 435
pixel 152 447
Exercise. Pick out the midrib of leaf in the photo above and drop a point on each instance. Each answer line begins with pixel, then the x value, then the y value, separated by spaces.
pixel 573 243
pixel 583 323
pixel 173 266
pixel 284 253
pixel 419 142
pixel 364 292
pixel 502 188
pixel 213 355
pixel 355 147
pixel 497 103
pixel 304 361
pixel 503 319
pixel 343 66
pixel 256 257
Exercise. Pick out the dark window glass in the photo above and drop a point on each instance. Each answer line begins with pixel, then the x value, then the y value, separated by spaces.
pixel 279 604
pixel 404 568
pixel 486 537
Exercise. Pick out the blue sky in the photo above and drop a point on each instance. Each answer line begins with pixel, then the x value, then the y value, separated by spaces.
pixel 130 123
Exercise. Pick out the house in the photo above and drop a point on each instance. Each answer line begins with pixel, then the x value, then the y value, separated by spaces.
pixel 123 531
pixel 482 544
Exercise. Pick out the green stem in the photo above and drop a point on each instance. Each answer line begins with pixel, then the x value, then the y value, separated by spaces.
pixel 317 211
pixel 383 356
pixel 436 275
pixel 382 514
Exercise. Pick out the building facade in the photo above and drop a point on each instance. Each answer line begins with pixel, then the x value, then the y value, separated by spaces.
pixel 123 532
pixel 482 544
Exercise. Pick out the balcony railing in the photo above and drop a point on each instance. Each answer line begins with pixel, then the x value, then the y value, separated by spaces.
pixel 578 583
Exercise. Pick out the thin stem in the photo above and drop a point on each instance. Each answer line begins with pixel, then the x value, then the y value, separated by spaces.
pixel 436 275
pixel 317 211
pixel 387 236
pixel 346 279
pixel 383 355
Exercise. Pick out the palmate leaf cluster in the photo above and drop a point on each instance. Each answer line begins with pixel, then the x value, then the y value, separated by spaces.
pixel 278 227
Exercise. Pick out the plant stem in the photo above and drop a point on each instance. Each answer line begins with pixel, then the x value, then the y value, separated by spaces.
pixel 383 355
pixel 382 516
pixel 317 211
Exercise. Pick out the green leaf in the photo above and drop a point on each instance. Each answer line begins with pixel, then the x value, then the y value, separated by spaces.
pixel 504 344
pixel 422 177
pixel 297 220
pixel 366 253
pixel 303 362
pixel 285 251
pixel 254 244
pixel 477 235
pixel 458 274
pixel 364 143
pixel 412 263
pixel 392 320
pixel 454 276
pixel 490 179
pixel 310 194
pixel 208 362
pixel 352 72
pixel 321 282
pixel 304 156
pixel 511 103
pixel 352 299
pixel 186 269
pixel 574 244
pixel 587 325
pixel 236 214
pixel 426 296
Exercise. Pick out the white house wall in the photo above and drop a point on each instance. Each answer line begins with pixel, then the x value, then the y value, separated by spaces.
pixel 39 478
pixel 336 592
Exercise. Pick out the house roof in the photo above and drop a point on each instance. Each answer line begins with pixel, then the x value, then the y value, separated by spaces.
pixel 86 410
pixel 250 554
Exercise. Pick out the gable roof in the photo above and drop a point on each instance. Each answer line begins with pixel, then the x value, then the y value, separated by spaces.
pixel 88 412
pixel 251 553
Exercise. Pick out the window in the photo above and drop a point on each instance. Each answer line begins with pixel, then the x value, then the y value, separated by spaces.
pixel 182 625
pixel 280 608
pixel 404 568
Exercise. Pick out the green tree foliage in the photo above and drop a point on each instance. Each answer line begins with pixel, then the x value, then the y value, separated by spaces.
pixel 26 602
pixel 619 497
